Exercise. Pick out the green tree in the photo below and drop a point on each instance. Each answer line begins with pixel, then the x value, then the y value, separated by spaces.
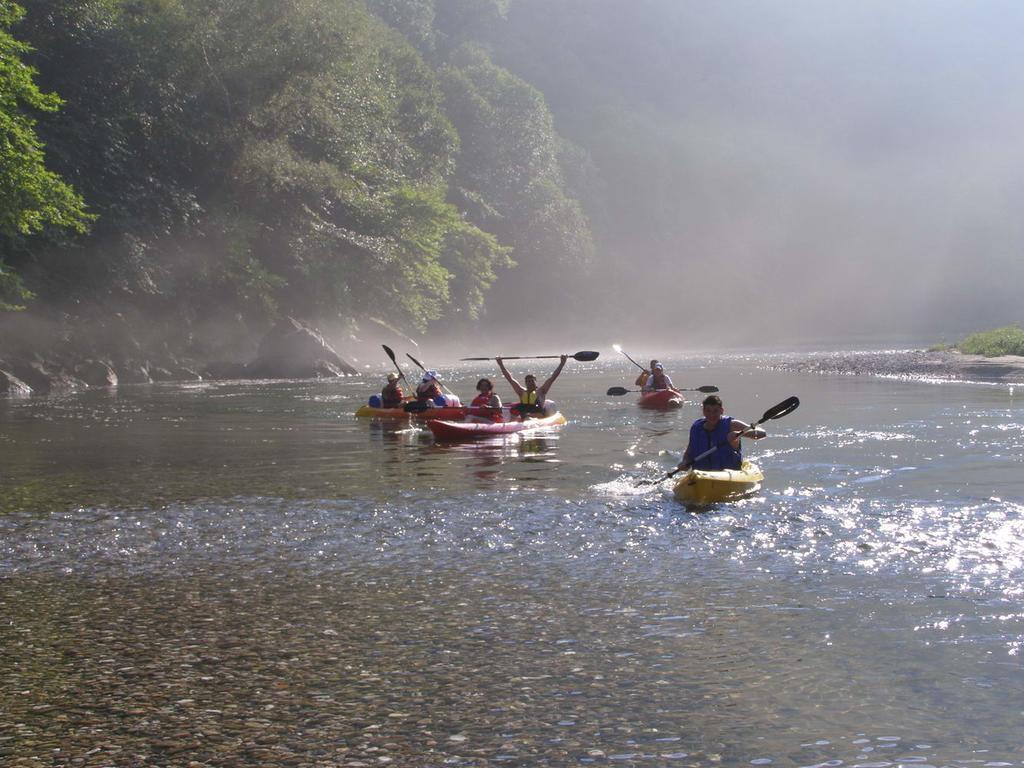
pixel 31 196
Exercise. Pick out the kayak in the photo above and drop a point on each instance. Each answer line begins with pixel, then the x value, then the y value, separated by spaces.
pixel 662 399
pixel 468 430
pixel 705 487
pixel 401 413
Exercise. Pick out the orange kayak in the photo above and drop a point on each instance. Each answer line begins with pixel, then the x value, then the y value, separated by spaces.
pixel 662 399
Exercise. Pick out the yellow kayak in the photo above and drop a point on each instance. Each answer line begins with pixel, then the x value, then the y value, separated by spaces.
pixel 705 487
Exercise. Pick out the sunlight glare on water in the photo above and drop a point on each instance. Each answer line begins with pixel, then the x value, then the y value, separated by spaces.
pixel 276 559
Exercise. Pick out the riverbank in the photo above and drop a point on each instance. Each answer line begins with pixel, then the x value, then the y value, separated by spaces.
pixel 914 364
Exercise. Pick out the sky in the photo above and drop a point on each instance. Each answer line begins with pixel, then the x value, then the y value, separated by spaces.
pixel 800 168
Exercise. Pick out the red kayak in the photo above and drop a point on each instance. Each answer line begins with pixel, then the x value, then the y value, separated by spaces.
pixel 662 399
pixel 468 430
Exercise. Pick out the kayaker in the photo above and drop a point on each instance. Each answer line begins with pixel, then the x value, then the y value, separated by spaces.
pixel 532 399
pixel 487 401
pixel 641 380
pixel 715 428
pixel 657 380
pixel 392 395
pixel 429 389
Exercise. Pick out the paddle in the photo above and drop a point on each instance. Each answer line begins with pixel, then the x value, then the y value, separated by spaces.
pixel 583 357
pixel 391 354
pixel 618 349
pixel 422 368
pixel 617 391
pixel 775 412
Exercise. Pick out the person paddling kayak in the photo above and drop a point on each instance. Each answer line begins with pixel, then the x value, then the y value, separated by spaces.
pixel 713 429
pixel 532 399
pixel 392 395
pixel 488 403
pixel 658 379
pixel 645 374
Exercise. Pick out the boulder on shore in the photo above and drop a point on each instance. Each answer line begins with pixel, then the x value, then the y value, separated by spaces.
pixel 294 350
pixel 96 373
pixel 12 385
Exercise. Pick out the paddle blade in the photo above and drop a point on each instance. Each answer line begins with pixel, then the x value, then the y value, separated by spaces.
pixel 787 406
pixel 390 352
pixel 463 359
pixel 418 406
pixel 415 361
pixel 585 357
pixel 617 348
pixel 616 391
pixel 708 389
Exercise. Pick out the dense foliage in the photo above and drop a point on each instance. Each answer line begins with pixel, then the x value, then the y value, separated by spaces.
pixel 248 159
pixel 1001 341
pixel 31 197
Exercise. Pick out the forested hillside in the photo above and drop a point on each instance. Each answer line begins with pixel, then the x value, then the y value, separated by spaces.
pixel 241 161
pixel 180 175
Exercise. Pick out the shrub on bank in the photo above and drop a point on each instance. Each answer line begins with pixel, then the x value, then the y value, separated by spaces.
pixel 1001 341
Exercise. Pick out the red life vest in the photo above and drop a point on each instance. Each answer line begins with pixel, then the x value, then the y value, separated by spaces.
pixel 483 402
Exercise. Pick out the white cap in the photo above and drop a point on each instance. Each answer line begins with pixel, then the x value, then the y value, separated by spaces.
pixel 659 367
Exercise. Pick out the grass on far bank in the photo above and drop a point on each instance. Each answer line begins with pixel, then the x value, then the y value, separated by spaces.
pixel 1001 341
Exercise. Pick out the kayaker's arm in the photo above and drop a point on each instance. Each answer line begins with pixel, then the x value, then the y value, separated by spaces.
pixel 516 386
pixel 740 429
pixel 543 388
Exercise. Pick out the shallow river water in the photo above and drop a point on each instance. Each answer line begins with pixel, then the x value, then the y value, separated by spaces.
pixel 235 574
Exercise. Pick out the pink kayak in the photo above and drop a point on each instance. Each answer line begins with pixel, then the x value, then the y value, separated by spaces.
pixel 468 430
pixel 662 399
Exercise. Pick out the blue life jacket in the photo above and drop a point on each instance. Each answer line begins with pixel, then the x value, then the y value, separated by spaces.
pixel 701 440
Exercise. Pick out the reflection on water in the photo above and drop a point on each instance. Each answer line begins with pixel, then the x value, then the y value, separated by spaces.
pixel 247 574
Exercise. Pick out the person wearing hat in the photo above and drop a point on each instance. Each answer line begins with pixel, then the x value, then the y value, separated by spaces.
pixel 717 429
pixel 392 395
pixel 429 388
pixel 645 374
pixel 657 379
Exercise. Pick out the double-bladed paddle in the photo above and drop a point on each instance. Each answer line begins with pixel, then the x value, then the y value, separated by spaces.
pixel 422 368
pixel 617 391
pixel 618 349
pixel 775 412
pixel 391 354
pixel 583 357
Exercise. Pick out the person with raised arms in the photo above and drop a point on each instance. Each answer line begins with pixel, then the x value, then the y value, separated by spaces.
pixel 532 398
pixel 717 429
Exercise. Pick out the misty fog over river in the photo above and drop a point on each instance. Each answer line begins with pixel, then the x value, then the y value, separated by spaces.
pixel 244 573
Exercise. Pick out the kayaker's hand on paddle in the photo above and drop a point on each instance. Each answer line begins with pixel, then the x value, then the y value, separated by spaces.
pixel 564 358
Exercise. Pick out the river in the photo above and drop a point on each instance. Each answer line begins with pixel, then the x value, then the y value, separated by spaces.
pixel 243 573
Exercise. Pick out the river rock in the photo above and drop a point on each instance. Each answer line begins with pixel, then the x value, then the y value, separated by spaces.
pixel 96 373
pixel 294 350
pixel 43 378
pixel 12 385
